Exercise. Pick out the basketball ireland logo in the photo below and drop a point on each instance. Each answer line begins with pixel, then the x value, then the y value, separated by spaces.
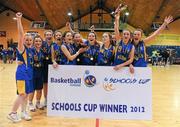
pixel 89 80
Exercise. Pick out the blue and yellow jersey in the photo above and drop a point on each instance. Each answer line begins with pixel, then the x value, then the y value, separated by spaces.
pixel 4 52
pixel 10 52
pixel 139 55
pixel 122 52
pixel 78 58
pixel 25 70
pixel 89 57
pixel 38 58
pixel 72 51
pixel 76 46
pixel 82 44
pixel 58 54
pixel 105 56
pixel 38 62
pixel 47 52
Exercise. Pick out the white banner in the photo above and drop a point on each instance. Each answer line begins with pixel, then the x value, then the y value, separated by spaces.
pixel 99 92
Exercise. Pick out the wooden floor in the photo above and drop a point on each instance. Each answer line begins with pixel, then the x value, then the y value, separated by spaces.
pixel 166 103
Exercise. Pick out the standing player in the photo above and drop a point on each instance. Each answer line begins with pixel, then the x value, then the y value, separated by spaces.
pixel 46 47
pixel 106 52
pixel 37 73
pixel 24 73
pixel 5 55
pixel 78 43
pixel 89 44
pixel 56 49
pixel 89 57
pixel 10 55
pixel 140 51
pixel 124 50
pixel 69 50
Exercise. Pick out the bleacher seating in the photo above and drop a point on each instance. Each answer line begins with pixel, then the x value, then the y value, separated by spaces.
pixel 175 51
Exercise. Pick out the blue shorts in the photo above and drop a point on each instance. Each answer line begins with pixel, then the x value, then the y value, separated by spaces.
pixel 38 83
pixel 29 86
pixel 24 86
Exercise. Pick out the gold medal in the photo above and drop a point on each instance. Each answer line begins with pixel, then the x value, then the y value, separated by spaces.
pixel 37 65
pixel 47 58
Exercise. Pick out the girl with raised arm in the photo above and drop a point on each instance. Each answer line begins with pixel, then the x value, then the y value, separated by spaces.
pixel 140 51
pixel 124 50
pixel 24 73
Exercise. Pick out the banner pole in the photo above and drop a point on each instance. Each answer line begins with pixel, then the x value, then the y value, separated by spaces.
pixel 97 122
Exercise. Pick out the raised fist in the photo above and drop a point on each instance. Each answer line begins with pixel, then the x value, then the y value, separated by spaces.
pixel 18 14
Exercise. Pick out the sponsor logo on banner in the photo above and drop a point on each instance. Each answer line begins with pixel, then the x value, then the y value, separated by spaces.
pixel 89 80
pixel 66 81
pixel 108 86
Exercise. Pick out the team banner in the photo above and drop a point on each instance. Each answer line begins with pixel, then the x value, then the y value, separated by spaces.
pixel 99 92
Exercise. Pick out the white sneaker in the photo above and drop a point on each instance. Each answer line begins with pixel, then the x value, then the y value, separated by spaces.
pixel 31 107
pixel 25 116
pixel 14 117
pixel 39 106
